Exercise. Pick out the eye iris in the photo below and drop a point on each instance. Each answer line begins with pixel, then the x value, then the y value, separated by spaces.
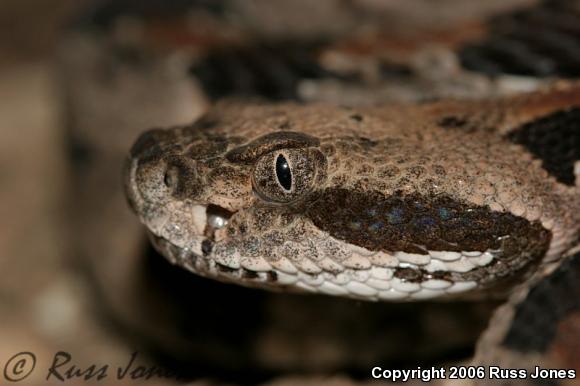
pixel 283 172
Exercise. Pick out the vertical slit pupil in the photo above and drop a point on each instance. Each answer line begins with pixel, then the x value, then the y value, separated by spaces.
pixel 283 172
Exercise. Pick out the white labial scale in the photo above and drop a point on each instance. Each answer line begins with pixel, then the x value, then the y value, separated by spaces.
pixel 379 283
pixel 462 265
pixel 425 293
pixel 404 286
pixel 306 287
pixel 382 273
pixel 413 258
pixel 313 280
pixel 408 265
pixel 435 265
pixel 360 275
pixel 261 276
pixel 471 253
pixel 393 294
pixel 286 279
pixel 445 255
pixel 360 289
pixel 436 284
pixel 284 265
pixel 484 259
pixel 330 288
pixel 199 217
pixel 461 286
pixel 255 263
pixel 340 279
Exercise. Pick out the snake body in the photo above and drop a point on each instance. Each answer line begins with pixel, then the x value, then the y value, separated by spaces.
pixel 396 193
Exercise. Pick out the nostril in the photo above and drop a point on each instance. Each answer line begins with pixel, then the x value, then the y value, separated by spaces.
pixel 179 177
pixel 171 177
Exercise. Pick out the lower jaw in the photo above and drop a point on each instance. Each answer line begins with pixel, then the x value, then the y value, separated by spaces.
pixel 279 281
pixel 205 267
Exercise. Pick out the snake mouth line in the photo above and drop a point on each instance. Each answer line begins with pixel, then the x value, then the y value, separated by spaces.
pixel 370 284
pixel 207 267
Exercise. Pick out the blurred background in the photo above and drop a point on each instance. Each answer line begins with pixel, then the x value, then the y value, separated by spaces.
pixel 44 307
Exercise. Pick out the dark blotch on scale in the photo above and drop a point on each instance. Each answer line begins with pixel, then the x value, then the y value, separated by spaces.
pixel 549 303
pixel 247 274
pixel 272 276
pixel 272 71
pixel 409 274
pixel 356 117
pixel 539 41
pixel 415 224
pixel 107 12
pixel 555 139
pixel 452 122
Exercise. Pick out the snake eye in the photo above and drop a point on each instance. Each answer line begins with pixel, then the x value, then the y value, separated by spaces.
pixel 286 175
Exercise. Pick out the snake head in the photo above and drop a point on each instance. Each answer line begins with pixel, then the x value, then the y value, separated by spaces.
pixel 216 202
pixel 335 201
